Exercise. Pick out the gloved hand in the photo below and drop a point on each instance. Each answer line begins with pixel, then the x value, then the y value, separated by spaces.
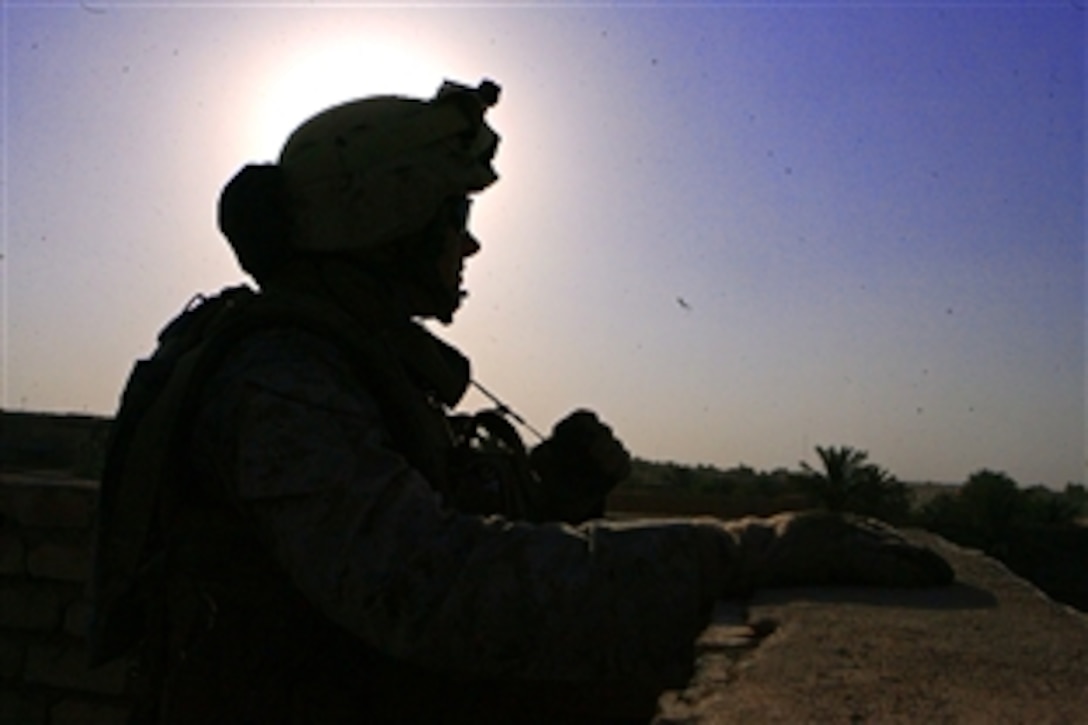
pixel 818 548
pixel 582 445
pixel 578 465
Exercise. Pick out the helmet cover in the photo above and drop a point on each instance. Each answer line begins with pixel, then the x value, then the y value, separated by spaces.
pixel 371 171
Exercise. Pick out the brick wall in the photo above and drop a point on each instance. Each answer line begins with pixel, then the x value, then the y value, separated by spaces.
pixel 45 558
pixel 44 441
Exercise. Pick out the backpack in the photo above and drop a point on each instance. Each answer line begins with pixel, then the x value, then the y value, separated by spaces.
pixel 156 406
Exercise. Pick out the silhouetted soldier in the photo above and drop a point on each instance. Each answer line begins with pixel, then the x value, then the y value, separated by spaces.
pixel 295 528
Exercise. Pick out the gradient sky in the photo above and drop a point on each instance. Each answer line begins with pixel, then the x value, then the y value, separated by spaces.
pixel 873 213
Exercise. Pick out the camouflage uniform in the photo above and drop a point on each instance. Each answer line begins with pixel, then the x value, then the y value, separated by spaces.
pixel 299 480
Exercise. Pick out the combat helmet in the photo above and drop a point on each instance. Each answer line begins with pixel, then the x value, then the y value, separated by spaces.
pixel 360 175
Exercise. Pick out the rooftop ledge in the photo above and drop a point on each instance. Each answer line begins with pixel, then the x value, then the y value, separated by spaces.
pixel 988 649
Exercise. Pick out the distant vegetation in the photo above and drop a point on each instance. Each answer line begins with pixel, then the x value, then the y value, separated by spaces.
pixel 845 480
pixel 983 508
pixel 990 505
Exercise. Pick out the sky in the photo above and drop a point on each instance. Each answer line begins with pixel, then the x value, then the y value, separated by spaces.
pixel 736 230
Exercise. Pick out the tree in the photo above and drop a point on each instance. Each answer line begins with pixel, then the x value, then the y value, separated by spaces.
pixel 992 502
pixel 1077 496
pixel 877 493
pixel 1045 506
pixel 849 482
pixel 841 465
pixel 989 509
pixel 945 513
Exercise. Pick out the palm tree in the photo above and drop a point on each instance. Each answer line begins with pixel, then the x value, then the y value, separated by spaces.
pixel 849 482
pixel 842 469
pixel 878 493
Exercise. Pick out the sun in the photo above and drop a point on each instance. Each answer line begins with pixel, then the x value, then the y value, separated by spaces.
pixel 314 79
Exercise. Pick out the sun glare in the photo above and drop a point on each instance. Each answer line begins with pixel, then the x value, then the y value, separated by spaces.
pixel 318 77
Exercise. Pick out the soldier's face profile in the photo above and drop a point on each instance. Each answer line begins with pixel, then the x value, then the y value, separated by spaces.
pixel 458 245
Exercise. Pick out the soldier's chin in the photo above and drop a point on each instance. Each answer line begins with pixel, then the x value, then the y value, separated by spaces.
pixel 450 306
pixel 458 300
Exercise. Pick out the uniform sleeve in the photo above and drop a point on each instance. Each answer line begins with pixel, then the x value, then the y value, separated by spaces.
pixel 367 541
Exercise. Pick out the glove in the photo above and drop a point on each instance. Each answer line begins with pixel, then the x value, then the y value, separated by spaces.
pixel 818 548
pixel 578 466
pixel 581 445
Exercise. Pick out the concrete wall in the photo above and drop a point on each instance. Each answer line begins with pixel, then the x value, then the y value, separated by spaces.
pixel 988 649
pixel 45 543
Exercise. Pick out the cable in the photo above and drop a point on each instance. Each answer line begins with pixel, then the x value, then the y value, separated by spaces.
pixel 505 409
